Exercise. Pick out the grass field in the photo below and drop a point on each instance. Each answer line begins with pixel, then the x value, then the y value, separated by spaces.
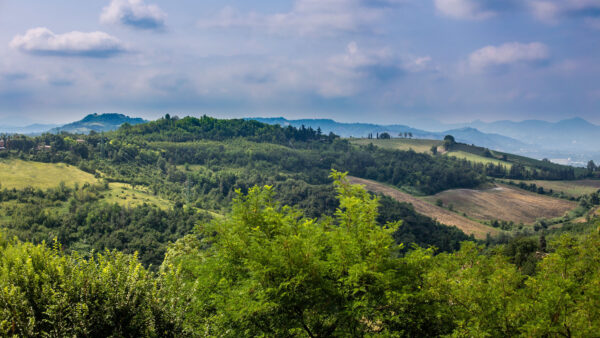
pixel 478 159
pixel 125 195
pixel 440 214
pixel 424 146
pixel 503 203
pixel 420 146
pixel 571 188
pixel 20 174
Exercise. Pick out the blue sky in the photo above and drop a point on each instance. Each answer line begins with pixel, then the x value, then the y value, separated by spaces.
pixel 383 61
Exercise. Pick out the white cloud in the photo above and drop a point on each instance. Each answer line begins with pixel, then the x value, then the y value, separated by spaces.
pixel 42 41
pixel 552 11
pixel 133 13
pixel 473 9
pixel 508 53
pixel 309 17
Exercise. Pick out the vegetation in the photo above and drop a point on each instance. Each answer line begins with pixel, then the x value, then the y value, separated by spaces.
pixel 20 174
pixel 268 270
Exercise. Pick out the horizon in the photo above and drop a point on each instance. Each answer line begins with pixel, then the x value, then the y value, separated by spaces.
pixel 153 117
pixel 452 61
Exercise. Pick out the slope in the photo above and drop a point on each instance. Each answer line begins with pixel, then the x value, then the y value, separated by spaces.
pixel 441 215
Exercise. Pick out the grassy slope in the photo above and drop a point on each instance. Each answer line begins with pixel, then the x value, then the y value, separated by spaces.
pixel 571 188
pixel 478 159
pixel 420 146
pixel 20 174
pixel 424 146
pixel 125 195
pixel 504 203
pixel 440 214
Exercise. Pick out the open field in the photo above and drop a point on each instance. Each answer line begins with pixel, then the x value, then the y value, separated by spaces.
pixel 478 159
pixel 424 146
pixel 504 203
pixel 440 214
pixel 125 195
pixel 420 146
pixel 571 188
pixel 20 174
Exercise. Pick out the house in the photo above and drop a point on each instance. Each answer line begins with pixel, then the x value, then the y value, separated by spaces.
pixel 80 141
pixel 44 147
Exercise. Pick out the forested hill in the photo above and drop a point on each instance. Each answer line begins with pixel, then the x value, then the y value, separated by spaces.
pixel 208 128
pixel 236 228
pixel 197 165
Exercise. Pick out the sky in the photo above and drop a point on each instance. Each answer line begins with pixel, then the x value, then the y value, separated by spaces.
pixel 379 61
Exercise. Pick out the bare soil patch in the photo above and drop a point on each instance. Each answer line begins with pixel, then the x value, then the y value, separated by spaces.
pixel 423 207
pixel 504 203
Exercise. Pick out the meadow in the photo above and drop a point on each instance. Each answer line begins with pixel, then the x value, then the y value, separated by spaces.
pixel 418 145
pixel 20 174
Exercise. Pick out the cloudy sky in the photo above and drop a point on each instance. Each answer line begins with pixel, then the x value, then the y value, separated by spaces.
pixel 384 61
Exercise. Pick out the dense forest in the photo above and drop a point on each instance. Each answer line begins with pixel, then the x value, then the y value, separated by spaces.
pixel 269 270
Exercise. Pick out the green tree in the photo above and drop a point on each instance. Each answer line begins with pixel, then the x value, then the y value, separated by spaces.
pixel 269 271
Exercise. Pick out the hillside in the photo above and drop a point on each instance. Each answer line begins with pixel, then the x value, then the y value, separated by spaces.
pixel 440 214
pixel 97 123
pixel 206 219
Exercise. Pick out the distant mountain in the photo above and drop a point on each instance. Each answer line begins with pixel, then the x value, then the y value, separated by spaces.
pixel 27 130
pixel 464 135
pixel 98 123
pixel 567 135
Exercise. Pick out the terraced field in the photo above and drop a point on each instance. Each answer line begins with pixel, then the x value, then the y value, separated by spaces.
pixel 503 203
pixel 19 174
pixel 423 207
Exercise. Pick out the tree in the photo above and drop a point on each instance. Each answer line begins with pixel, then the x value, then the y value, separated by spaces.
pixel 591 167
pixel 385 136
pixel 449 141
pixel 270 271
pixel 434 150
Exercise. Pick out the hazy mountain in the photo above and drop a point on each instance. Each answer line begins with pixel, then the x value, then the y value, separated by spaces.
pixel 28 130
pixel 98 123
pixel 572 134
pixel 464 135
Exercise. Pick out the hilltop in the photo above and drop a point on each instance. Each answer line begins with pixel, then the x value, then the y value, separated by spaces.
pixel 98 123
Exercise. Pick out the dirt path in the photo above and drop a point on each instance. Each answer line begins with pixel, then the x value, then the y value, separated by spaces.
pixel 440 214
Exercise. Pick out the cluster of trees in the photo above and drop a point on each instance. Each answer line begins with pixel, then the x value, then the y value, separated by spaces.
pixel 267 270
pixel 81 221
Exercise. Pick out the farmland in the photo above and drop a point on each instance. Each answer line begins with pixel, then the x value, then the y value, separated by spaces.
pixel 440 214
pixel 503 203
